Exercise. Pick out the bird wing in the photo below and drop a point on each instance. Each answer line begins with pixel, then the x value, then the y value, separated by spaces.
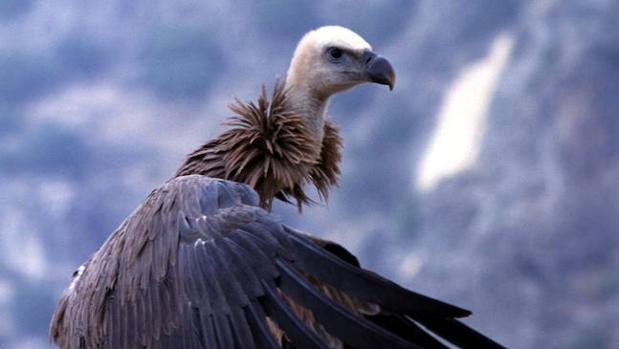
pixel 200 265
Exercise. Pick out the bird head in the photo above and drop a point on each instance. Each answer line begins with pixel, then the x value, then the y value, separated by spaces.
pixel 331 59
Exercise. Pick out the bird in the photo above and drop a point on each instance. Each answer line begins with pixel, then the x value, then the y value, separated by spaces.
pixel 204 263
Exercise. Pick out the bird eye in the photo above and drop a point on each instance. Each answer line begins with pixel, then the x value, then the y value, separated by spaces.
pixel 335 53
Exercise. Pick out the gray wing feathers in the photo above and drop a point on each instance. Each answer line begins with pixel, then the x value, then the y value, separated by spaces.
pixel 200 265
pixel 169 275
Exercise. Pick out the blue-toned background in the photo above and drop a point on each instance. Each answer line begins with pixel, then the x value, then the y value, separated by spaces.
pixel 489 177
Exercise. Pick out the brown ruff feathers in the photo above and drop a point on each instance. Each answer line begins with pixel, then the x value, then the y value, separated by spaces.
pixel 270 148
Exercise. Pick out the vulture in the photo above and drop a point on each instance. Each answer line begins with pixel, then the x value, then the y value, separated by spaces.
pixel 202 262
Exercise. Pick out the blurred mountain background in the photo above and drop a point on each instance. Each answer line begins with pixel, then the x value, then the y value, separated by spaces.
pixel 489 177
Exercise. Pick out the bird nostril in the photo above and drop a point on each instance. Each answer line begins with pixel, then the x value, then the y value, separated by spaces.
pixel 368 56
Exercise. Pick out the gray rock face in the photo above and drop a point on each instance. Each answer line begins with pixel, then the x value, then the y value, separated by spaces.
pixel 529 234
pixel 99 102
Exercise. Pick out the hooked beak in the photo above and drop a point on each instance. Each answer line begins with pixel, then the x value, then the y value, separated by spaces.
pixel 378 69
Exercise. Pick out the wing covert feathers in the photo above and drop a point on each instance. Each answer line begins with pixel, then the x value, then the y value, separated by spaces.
pixel 200 265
